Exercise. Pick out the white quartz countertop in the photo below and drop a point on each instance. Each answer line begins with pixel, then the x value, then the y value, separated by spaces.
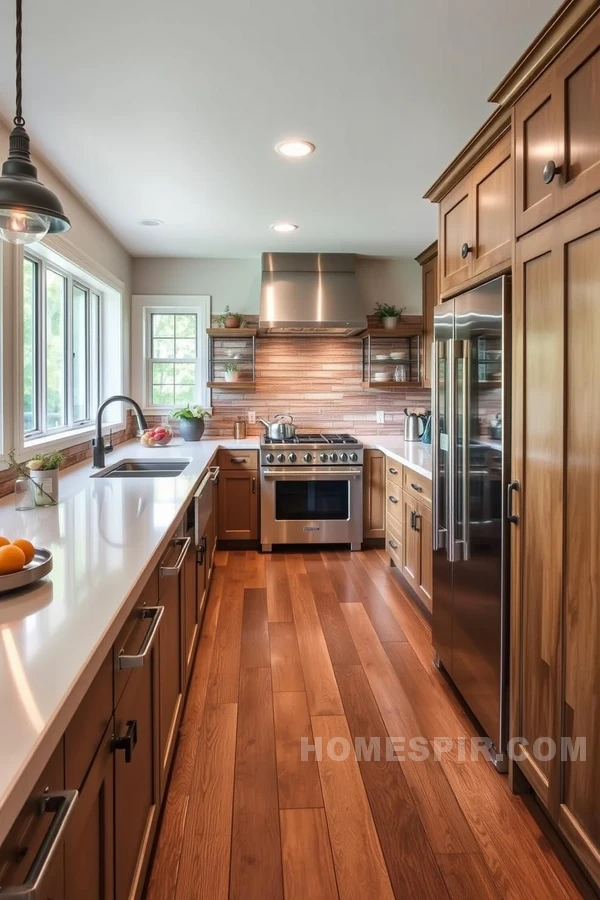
pixel 106 535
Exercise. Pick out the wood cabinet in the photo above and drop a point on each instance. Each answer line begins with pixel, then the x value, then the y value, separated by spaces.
pixel 172 650
pixel 555 562
pixel 374 495
pixel 238 505
pixel 194 587
pixel 428 260
pixel 557 134
pixel 408 527
pixel 476 221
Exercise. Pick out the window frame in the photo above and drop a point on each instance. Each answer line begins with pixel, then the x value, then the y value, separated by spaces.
pixel 143 307
pixel 42 432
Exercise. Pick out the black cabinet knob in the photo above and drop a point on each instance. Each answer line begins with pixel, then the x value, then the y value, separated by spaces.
pixel 549 171
pixel 127 742
pixel 465 250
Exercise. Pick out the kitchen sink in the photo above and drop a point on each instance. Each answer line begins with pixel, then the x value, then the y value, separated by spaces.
pixel 138 468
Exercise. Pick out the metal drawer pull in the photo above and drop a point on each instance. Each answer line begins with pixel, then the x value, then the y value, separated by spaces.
pixel 393 471
pixel 512 487
pixel 393 544
pixel 417 518
pixel 549 171
pixel 61 803
pixel 412 519
pixel 392 499
pixel 214 473
pixel 416 487
pixel 201 549
pixel 135 660
pixel 127 742
pixel 185 546
pixel 239 459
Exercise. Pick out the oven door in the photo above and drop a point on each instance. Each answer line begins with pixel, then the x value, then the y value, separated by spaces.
pixel 311 505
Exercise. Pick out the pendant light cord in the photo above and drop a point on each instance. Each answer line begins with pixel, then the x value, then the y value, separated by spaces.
pixel 19 120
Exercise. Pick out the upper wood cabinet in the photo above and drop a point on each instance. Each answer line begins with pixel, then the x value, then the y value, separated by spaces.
pixel 557 134
pixel 428 260
pixel 476 220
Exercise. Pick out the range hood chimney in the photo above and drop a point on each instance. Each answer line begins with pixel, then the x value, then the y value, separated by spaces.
pixel 310 294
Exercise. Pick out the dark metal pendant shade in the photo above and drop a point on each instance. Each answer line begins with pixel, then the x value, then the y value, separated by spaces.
pixel 20 190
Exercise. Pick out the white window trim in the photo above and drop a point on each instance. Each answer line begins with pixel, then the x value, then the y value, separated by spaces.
pixel 143 306
pixel 55 251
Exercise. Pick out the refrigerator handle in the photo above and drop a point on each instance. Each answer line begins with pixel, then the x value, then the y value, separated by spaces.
pixel 451 473
pixel 466 440
pixel 439 529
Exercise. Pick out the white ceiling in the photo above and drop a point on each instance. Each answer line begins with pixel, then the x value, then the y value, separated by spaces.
pixel 171 109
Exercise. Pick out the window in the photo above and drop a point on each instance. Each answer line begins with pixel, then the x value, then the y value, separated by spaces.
pixel 170 351
pixel 60 349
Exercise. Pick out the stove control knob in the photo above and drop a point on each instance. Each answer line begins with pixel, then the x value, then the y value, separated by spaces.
pixel 323 457
pixel 308 457
pixel 270 458
pixel 354 457
pixel 334 457
pixel 281 457
pixel 292 457
pixel 343 457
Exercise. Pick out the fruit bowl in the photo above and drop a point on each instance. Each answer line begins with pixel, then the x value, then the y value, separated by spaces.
pixel 156 437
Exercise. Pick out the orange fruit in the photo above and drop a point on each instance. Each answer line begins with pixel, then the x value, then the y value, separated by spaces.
pixel 12 559
pixel 27 548
pixel 3 541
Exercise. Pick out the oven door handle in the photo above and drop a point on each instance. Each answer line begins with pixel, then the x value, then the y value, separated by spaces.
pixel 313 474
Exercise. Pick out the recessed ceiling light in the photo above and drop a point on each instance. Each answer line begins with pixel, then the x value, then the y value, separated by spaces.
pixel 151 223
pixel 284 227
pixel 295 148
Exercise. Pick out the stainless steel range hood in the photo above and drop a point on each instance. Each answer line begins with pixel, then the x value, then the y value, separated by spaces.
pixel 310 294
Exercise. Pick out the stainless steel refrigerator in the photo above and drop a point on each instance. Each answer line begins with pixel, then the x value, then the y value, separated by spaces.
pixel 471 474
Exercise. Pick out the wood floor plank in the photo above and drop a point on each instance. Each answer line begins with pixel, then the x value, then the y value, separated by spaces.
pixel 294 564
pixel 223 682
pixel 298 780
pixel 321 686
pixel 255 569
pixel 279 603
pixel 255 630
pixel 286 666
pixel 442 817
pixel 194 706
pixel 359 864
pixel 308 872
pixel 162 883
pixel 256 849
pixel 343 585
pixel 207 842
pixel 384 622
pixel 466 875
pixel 339 643
pixel 409 858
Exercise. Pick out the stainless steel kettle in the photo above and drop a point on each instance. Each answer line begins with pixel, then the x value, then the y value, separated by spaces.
pixel 411 426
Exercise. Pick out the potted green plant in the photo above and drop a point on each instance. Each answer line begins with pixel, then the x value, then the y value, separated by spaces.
pixel 231 372
pixel 230 319
pixel 42 473
pixel 389 314
pixel 191 421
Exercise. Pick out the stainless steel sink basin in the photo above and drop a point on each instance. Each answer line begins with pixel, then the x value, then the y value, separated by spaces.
pixel 141 468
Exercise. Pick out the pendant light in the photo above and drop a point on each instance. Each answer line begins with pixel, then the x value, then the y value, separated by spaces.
pixel 28 210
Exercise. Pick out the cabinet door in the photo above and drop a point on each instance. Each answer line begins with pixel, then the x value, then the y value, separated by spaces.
pixel 23 844
pixel 89 846
pixel 191 618
pixel 374 494
pixel 492 194
pixel 456 230
pixel 411 543
pixel 136 778
pixel 238 505
pixel 425 555
pixel 171 662
pixel 430 300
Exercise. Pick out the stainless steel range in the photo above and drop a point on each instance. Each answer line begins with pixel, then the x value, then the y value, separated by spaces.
pixel 311 490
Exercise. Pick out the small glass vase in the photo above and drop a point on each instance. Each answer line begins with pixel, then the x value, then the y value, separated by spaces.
pixel 45 487
pixel 24 496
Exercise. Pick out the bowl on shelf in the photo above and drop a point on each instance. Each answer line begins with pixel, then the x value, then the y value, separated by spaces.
pixel 382 376
pixel 381 356
pixel 159 436
pixel 399 354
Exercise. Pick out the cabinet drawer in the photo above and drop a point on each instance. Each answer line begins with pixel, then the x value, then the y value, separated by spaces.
pixel 83 736
pixel 393 471
pixel 393 541
pixel 417 486
pixel 238 459
pixel 23 842
pixel 393 500
pixel 133 634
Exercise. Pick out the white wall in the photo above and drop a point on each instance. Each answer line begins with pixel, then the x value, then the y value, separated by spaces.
pixel 236 282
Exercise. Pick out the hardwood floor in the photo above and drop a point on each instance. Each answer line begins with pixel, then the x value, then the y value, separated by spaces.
pixel 327 650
